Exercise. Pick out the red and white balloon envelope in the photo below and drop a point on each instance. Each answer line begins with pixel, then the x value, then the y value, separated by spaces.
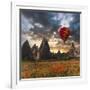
pixel 64 33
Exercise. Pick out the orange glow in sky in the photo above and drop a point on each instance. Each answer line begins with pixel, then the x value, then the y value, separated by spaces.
pixel 62 50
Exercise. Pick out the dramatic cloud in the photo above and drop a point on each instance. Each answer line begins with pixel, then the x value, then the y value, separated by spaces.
pixel 26 24
pixel 63 19
pixel 38 23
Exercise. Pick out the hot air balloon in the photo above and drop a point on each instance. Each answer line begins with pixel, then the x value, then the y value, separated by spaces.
pixel 64 33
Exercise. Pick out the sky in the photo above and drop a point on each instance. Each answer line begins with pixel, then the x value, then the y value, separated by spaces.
pixel 36 24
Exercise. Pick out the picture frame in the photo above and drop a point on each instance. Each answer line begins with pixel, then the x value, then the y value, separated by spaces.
pixel 16 82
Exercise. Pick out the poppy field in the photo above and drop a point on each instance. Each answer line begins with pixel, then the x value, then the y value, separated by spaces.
pixel 41 69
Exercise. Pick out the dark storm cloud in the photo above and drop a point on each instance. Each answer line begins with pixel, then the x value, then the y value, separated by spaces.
pixel 75 27
pixel 43 21
pixel 38 16
pixel 76 22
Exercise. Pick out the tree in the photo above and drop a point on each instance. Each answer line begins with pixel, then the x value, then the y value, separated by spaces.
pixel 44 49
pixel 35 52
pixel 26 51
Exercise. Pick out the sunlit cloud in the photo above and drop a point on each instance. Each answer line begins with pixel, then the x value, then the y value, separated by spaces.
pixel 38 25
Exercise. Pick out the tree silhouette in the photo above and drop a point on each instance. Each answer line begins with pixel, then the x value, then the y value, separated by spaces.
pixel 35 51
pixel 44 49
pixel 26 51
